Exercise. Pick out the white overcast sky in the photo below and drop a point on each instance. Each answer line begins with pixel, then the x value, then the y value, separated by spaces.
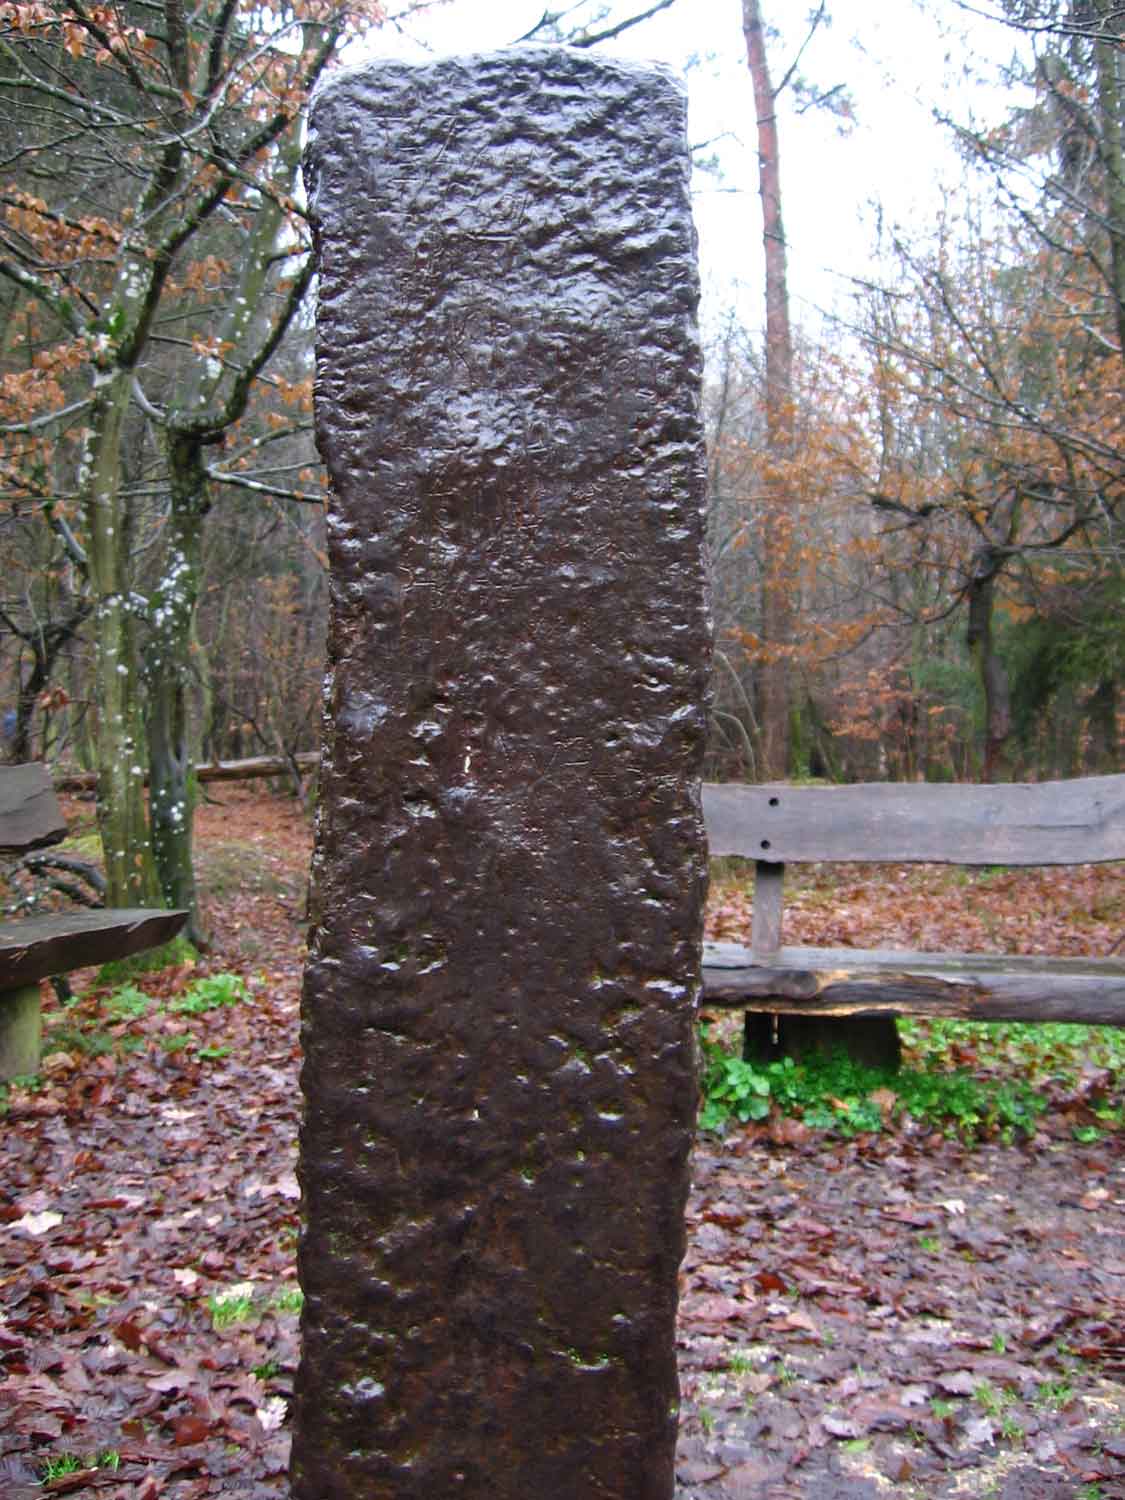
pixel 898 59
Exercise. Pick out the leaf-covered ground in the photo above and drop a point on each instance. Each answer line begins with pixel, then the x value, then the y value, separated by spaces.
pixel 895 1314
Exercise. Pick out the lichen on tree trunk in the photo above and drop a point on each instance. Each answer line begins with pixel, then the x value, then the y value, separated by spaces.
pixel 122 821
pixel 168 675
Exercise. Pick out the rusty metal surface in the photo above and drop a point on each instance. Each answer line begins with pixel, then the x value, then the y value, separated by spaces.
pixel 498 1074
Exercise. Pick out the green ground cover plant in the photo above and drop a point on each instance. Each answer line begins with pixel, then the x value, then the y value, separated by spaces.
pixel 209 993
pixel 235 1305
pixel 974 1080
pixel 58 1466
pixel 245 1301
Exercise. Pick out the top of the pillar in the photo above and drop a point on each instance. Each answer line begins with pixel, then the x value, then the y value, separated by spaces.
pixel 550 60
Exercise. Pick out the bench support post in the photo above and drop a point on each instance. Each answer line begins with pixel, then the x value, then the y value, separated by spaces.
pixel 759 1030
pixel 21 1032
pixel 767 1036
pixel 769 897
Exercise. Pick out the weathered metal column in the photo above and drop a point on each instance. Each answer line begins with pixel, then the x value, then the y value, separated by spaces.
pixel 498 1076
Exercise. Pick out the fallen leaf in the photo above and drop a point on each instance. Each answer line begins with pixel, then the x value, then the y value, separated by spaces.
pixel 189 1430
pixel 914 1395
pixel 729 1215
pixel 979 1431
pixel 716 1309
pixel 885 1099
pixel 841 1427
pixel 785 1130
pixel 38 1223
pixel 129 1334
pixel 172 1380
pixel 273 1413
pixel 799 1319
pixel 744 1481
pixel 58 1062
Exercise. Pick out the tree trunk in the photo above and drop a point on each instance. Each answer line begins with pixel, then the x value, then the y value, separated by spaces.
pixel 1107 51
pixel 168 678
pixel 778 579
pixel 776 524
pixel 45 644
pixel 991 671
pixel 1101 706
pixel 130 878
pixel 198 419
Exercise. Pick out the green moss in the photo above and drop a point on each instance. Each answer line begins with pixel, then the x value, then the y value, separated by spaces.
pixel 122 970
pixel 83 846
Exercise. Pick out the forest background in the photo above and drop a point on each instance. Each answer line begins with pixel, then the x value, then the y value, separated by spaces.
pixel 914 500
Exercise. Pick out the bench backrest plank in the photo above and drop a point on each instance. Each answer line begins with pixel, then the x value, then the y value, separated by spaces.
pixel 29 810
pixel 1044 823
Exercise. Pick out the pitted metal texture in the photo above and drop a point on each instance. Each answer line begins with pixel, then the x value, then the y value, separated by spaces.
pixel 510 865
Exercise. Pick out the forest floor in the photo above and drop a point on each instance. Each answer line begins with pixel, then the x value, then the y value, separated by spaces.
pixel 897 1313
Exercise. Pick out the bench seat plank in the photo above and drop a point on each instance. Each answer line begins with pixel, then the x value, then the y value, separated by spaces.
pixel 29 811
pixel 33 948
pixel 1041 823
pixel 971 986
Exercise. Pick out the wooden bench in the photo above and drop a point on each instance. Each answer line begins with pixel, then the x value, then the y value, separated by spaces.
pixel 36 947
pixel 1050 823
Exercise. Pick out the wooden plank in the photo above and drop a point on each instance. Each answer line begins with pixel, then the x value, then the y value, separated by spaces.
pixel 36 947
pixel 224 770
pixel 29 810
pixel 903 960
pixel 1046 823
pixel 769 893
pixel 854 982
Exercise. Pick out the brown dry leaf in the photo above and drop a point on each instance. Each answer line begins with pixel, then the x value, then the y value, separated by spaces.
pixel 56 1063
pixel 784 1130
pixel 885 1100
pixel 716 1309
pixel 799 1320
pixel 189 1430
pixel 841 1426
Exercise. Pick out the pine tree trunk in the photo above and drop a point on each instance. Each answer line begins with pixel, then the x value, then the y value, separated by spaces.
pixel 774 687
